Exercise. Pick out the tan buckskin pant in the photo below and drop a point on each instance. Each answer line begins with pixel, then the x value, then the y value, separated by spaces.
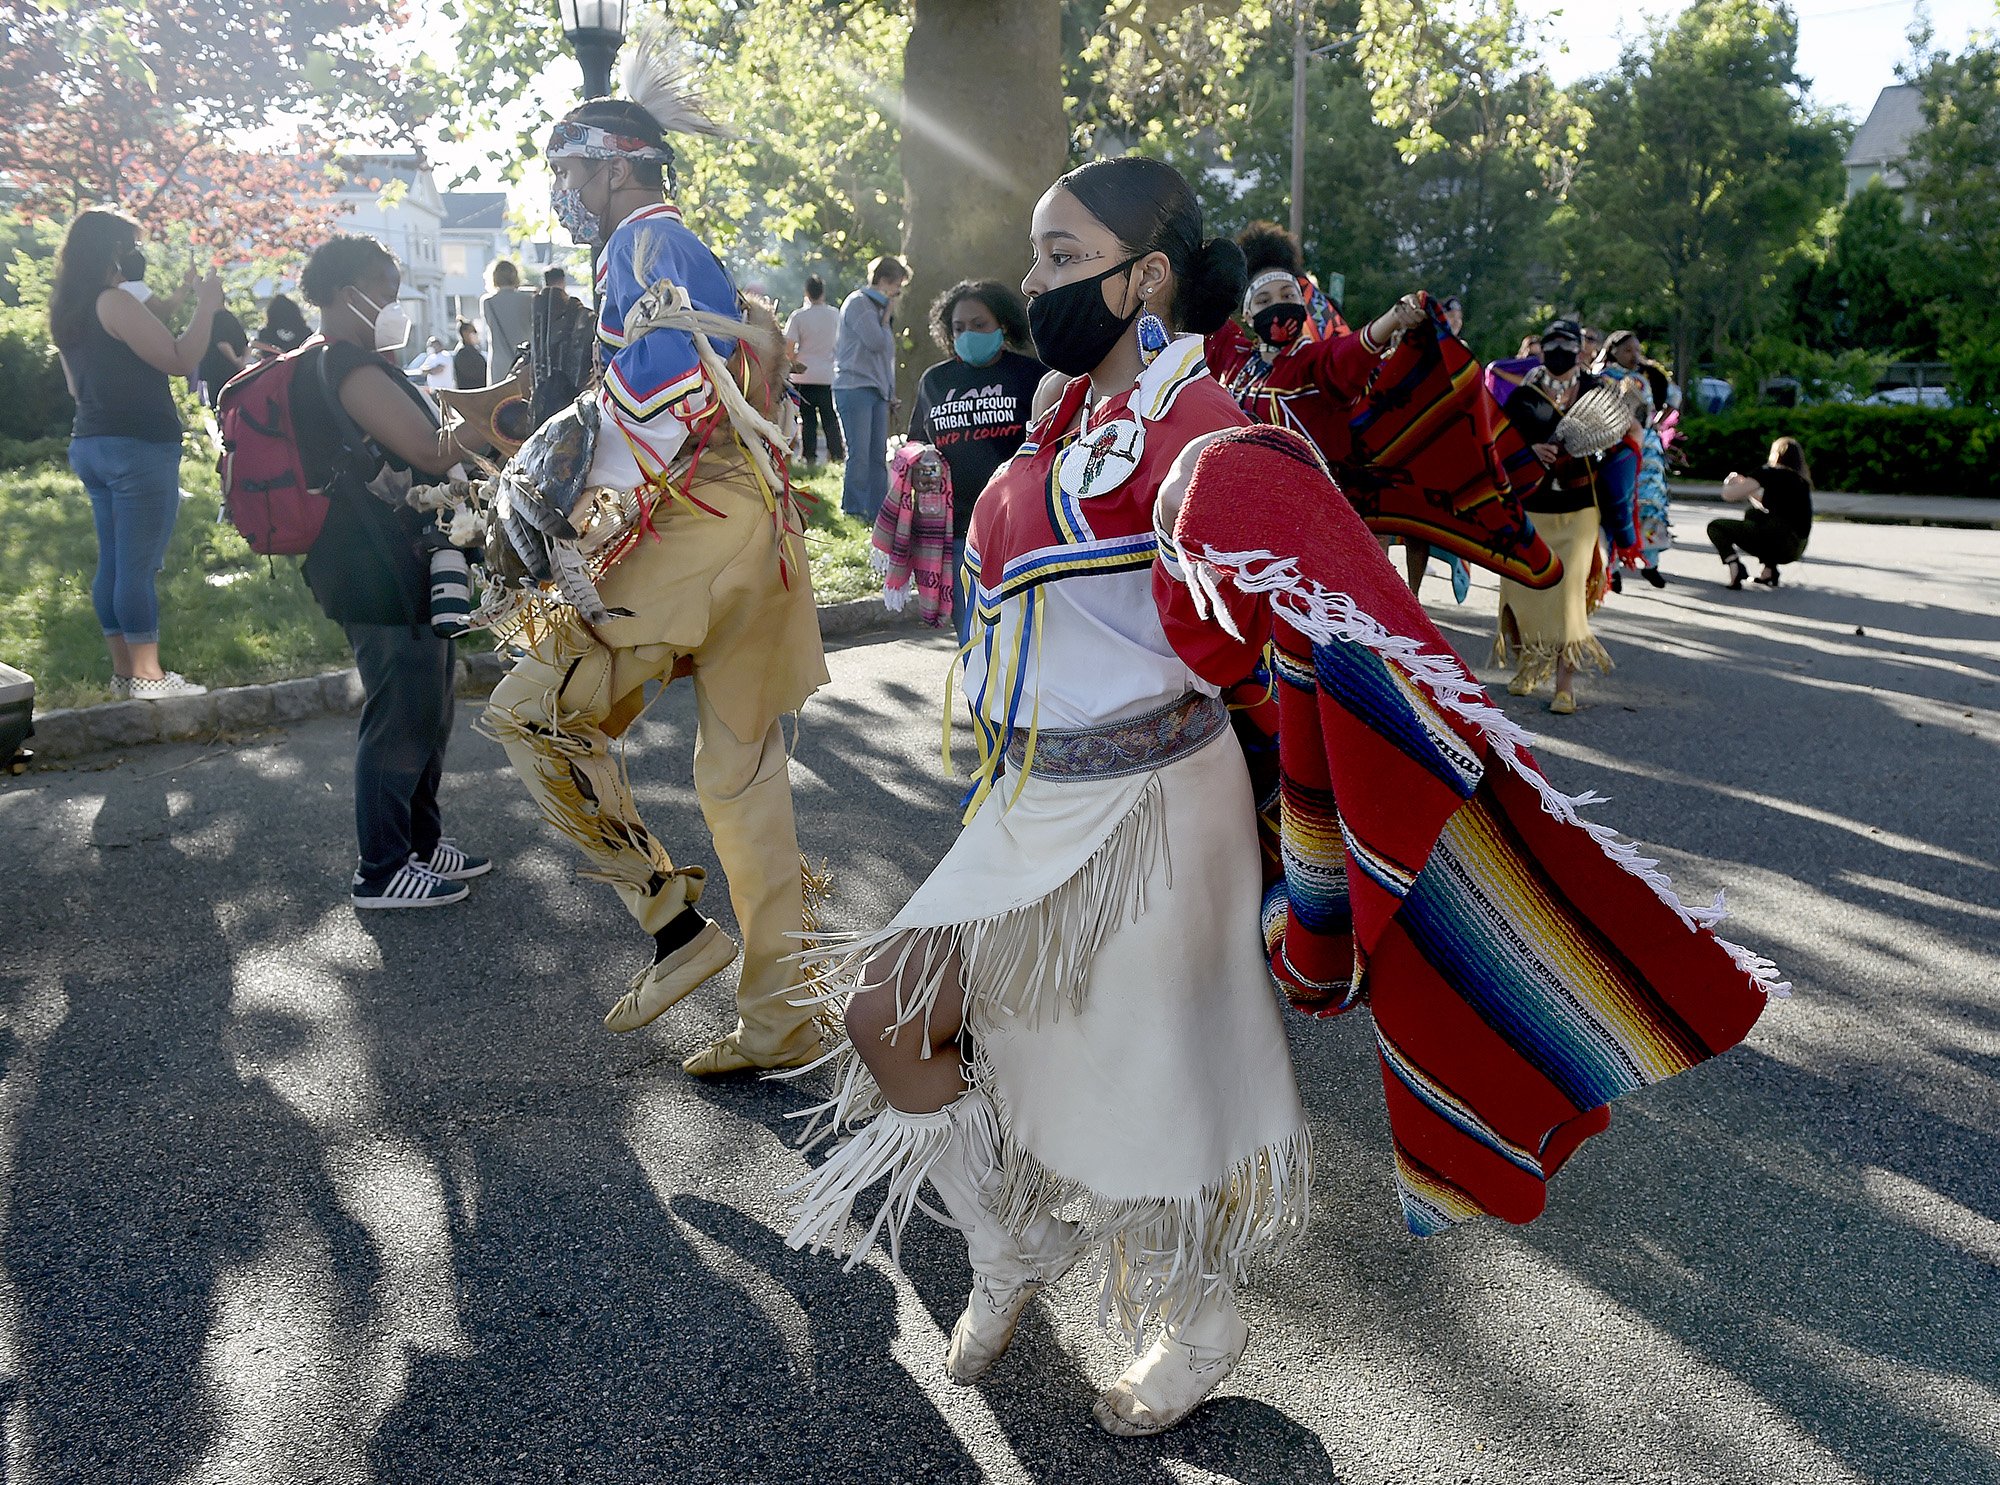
pixel 707 596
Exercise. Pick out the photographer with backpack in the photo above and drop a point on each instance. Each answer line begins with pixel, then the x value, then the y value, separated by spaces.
pixel 362 430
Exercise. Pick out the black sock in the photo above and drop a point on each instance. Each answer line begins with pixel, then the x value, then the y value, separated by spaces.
pixel 678 934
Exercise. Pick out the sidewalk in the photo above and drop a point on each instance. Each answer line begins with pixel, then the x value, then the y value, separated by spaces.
pixel 75 732
pixel 1966 512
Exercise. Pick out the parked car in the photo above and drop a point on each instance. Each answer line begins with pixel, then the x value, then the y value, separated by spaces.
pixel 1711 394
pixel 1911 397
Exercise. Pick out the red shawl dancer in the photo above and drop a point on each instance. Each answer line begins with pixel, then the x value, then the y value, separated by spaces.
pixel 1524 965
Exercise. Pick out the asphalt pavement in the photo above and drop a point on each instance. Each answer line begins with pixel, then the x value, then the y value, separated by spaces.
pixel 295 1194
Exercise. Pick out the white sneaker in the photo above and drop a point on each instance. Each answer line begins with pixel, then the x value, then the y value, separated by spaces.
pixel 121 687
pixel 167 685
pixel 412 886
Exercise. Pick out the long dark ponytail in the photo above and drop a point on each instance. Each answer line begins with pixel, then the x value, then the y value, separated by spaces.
pixel 94 246
pixel 1149 206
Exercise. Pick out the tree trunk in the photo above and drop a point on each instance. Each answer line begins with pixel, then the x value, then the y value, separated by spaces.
pixel 983 136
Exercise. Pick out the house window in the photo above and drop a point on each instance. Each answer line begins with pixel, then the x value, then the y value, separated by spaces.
pixel 455 259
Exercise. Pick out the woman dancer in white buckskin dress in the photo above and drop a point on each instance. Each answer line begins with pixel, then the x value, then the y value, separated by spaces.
pixel 1070 1029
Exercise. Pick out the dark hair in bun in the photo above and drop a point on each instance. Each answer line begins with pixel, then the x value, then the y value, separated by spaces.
pixel 1150 208
pixel 1267 245
pixel 1213 289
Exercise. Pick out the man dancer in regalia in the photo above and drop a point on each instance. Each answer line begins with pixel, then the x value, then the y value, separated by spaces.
pixel 659 538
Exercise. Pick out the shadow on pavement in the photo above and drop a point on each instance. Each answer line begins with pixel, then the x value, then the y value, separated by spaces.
pixel 292 1195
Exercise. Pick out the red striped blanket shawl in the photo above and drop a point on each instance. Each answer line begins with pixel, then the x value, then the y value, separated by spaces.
pixel 1426 459
pixel 1524 966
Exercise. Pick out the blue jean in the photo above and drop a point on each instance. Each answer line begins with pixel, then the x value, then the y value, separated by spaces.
pixel 864 424
pixel 135 494
pixel 406 676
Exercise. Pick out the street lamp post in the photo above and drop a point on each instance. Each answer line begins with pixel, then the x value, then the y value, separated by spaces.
pixel 595 30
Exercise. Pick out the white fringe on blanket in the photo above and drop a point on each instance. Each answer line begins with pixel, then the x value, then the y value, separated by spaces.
pixel 1160 1255
pixel 1326 616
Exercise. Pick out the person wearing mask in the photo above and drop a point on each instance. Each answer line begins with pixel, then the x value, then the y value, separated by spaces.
pixel 713 581
pixel 1019 1035
pixel 125 443
pixel 1547 630
pixel 810 335
pixel 1625 366
pixel 365 435
pixel 973 407
pixel 508 311
pixel 1781 514
pixel 864 385
pixel 468 362
pixel 284 328
pixel 1282 376
pixel 432 368
pixel 228 353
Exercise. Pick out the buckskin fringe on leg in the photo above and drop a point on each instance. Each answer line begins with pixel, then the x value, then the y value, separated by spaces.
pixel 1164 1255
pixel 586 794
pixel 1161 1255
pixel 897 1147
pixel 1023 963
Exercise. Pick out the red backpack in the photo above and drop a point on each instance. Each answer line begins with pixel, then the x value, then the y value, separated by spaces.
pixel 264 486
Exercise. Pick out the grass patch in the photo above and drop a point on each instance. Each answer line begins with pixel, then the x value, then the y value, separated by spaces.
pixel 228 616
pixel 836 543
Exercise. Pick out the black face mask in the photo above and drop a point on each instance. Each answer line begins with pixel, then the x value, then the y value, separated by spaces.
pixel 1559 359
pixel 133 266
pixel 1074 328
pixel 1279 324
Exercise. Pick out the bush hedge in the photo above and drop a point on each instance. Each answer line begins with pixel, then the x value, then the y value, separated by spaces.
pixel 1871 450
pixel 34 402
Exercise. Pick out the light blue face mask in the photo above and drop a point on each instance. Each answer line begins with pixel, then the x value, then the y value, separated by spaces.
pixel 979 347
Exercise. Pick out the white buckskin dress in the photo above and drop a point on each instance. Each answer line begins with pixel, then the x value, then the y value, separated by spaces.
pixel 1101 908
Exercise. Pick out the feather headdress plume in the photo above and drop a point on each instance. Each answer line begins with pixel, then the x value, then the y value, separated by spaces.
pixel 658 75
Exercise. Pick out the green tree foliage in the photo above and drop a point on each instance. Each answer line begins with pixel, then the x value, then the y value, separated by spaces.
pixel 1886 450
pixel 1705 175
pixel 1432 156
pixel 1881 265
pixel 1954 171
pixel 809 88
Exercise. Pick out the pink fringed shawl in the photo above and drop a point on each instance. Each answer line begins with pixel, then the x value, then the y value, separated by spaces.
pixel 912 539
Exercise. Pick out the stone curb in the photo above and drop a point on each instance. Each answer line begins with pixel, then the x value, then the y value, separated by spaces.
pixel 77 732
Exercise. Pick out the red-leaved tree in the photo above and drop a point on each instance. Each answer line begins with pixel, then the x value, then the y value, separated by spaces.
pixel 152 109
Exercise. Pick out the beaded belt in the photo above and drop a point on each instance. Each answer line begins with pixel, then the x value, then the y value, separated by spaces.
pixel 1131 745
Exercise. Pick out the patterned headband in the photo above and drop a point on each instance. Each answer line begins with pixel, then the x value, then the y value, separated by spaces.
pixel 1268 276
pixel 570 140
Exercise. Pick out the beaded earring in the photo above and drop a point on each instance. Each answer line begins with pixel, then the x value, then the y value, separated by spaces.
pixel 1153 337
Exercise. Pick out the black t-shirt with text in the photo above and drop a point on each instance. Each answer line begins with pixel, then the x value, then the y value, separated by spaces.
pixel 976 416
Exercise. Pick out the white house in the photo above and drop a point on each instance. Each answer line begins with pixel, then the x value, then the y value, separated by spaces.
pixel 394 198
pixel 1882 143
